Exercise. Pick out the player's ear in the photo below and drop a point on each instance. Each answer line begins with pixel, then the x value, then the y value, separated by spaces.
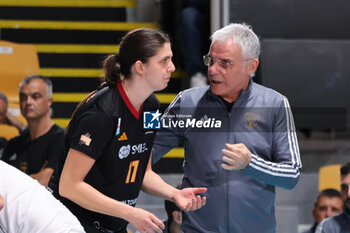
pixel 139 67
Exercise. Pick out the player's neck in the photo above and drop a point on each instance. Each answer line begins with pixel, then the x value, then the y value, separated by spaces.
pixel 136 93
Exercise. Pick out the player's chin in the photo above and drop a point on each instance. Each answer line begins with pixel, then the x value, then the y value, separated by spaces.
pixel 163 86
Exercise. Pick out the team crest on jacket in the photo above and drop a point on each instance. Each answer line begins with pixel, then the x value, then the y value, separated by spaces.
pixel 251 119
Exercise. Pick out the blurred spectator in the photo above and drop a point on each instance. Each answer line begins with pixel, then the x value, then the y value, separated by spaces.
pixel 328 204
pixel 8 119
pixel 194 31
pixel 37 150
pixel 340 223
pixel 173 223
pixel 26 206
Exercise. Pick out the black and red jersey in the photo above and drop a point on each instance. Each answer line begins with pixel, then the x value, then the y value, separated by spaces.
pixel 109 129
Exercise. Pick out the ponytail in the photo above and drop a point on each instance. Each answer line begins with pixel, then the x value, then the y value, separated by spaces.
pixel 111 67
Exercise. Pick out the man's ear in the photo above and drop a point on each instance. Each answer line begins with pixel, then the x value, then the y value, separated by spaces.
pixel 252 66
pixel 177 216
pixel 314 213
pixel 50 101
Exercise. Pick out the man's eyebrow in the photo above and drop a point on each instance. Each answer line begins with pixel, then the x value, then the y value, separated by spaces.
pixel 35 93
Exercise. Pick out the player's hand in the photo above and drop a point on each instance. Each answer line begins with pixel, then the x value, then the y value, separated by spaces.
pixel 187 199
pixel 145 221
pixel 237 156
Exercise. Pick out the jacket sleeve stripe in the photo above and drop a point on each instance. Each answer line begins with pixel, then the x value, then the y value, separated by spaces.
pixel 276 168
pixel 275 173
pixel 279 169
pixel 294 147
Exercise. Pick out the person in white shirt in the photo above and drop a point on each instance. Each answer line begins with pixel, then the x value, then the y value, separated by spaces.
pixel 26 206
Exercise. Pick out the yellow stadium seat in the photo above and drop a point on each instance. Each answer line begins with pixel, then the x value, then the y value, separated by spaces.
pixel 329 177
pixel 17 61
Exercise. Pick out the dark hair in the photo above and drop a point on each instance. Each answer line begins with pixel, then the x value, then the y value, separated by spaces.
pixel 169 208
pixel 137 45
pixel 345 169
pixel 47 81
pixel 327 193
pixel 4 97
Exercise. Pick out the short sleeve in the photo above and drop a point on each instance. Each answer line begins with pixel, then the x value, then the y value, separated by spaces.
pixel 93 133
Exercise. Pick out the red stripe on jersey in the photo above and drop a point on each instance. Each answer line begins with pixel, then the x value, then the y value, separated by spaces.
pixel 127 101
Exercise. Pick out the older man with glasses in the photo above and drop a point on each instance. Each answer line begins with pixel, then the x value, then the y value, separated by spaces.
pixel 239 139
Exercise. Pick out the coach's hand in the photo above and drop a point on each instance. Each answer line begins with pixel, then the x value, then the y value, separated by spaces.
pixel 187 199
pixel 237 156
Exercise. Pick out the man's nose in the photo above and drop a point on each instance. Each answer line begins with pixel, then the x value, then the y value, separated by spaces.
pixel 29 100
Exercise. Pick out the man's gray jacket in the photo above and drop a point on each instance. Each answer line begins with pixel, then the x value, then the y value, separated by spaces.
pixel 237 201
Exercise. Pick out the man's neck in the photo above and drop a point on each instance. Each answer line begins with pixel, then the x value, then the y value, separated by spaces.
pixel 39 127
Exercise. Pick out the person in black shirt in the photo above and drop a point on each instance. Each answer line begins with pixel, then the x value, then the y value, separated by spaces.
pixel 109 151
pixel 6 118
pixel 37 150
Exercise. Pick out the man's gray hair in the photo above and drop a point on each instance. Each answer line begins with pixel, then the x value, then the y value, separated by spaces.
pixel 243 35
pixel 47 81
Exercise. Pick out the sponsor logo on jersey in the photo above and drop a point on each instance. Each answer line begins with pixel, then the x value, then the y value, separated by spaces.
pixel 151 120
pixel 139 148
pixel 131 202
pixel 123 137
pixel 251 119
pixel 117 132
pixel 124 151
pixel 85 139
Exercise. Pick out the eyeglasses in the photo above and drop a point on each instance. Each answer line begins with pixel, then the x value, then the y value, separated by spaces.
pixel 209 61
